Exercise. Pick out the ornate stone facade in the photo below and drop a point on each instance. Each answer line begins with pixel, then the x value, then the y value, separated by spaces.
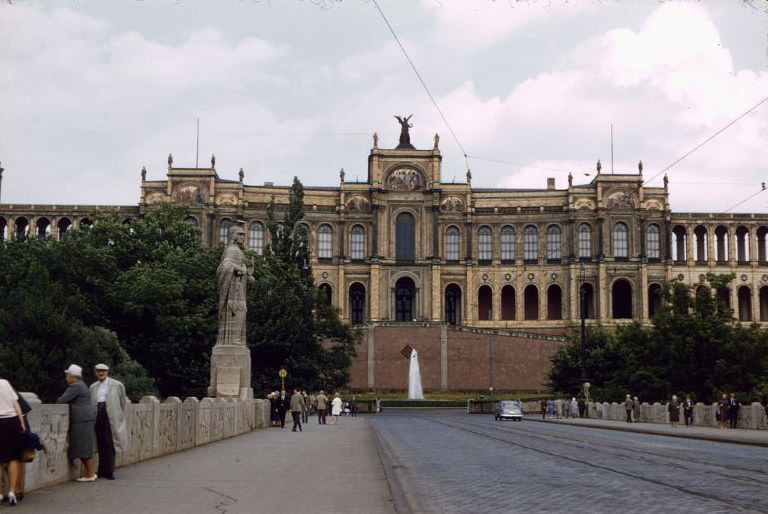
pixel 404 246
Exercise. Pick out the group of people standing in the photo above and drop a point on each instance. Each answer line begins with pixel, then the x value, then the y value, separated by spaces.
pixel 563 408
pixel 632 408
pixel 96 414
pixel 300 404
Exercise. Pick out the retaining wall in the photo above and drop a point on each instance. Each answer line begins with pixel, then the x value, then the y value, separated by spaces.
pixel 155 429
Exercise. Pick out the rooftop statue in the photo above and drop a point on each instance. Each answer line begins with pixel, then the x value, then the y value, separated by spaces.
pixel 405 137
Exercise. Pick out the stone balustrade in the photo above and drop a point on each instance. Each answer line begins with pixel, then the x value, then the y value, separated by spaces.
pixel 154 429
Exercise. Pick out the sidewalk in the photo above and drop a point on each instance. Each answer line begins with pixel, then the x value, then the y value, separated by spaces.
pixel 325 469
pixel 735 436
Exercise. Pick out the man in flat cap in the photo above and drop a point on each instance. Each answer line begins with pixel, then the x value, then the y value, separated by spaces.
pixel 108 396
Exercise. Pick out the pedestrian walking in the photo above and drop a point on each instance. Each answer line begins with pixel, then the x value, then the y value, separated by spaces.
pixel 674 411
pixel 566 408
pixel 636 409
pixel 298 407
pixel 733 410
pixel 558 408
pixel 722 412
pixel 322 408
pixel 543 405
pixel 688 410
pixel 574 407
pixel 283 406
pixel 12 426
pixel 109 399
pixel 353 406
pixel 335 409
pixel 81 420
pixel 550 407
pixel 274 416
pixel 629 405
pixel 305 412
pixel 582 407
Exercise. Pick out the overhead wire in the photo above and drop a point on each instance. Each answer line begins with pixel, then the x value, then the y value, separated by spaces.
pixel 423 83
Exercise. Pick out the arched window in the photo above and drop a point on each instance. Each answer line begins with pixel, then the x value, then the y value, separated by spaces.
pixel 43 227
pixel 700 244
pixel 357 243
pixel 654 300
pixel 531 244
pixel 761 244
pixel 405 237
pixel 745 304
pixel 764 303
pixel 679 244
pixel 256 237
pixel 554 244
pixel 191 221
pixel 484 244
pixel 485 303
pixel 324 241
pixel 554 302
pixel 587 302
pixel 585 241
pixel 357 302
pixel 531 303
pixel 507 303
pixel 742 244
pixel 64 224
pixel 224 225
pixel 405 293
pixel 452 246
pixel 653 242
pixel 620 241
pixel 453 304
pixel 85 223
pixel 327 293
pixel 721 245
pixel 507 244
pixel 622 299
pixel 21 229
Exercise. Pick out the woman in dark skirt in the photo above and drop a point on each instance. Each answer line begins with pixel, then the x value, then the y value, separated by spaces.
pixel 81 420
pixel 11 442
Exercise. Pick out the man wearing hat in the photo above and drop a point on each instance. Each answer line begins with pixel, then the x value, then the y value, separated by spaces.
pixel 108 396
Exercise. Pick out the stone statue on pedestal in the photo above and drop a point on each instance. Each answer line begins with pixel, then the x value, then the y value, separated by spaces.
pixel 405 136
pixel 231 359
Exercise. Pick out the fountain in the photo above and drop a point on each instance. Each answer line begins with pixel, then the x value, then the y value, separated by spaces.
pixel 414 378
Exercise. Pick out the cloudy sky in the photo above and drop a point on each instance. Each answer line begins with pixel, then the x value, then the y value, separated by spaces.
pixel 91 91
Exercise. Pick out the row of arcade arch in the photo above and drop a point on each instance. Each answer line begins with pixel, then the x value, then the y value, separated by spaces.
pixel 22 228
pixel 404 302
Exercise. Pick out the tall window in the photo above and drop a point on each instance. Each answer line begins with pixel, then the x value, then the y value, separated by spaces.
pixel 620 242
pixel 507 244
pixel 357 302
pixel 324 242
pixel 531 244
pixel 223 229
pixel 484 244
pixel 652 244
pixel 585 241
pixel 554 243
pixel 452 244
pixel 405 237
pixel 256 237
pixel 358 243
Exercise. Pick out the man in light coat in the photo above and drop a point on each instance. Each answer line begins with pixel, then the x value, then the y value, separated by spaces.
pixel 108 396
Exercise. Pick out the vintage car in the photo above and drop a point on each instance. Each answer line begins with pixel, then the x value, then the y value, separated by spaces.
pixel 508 409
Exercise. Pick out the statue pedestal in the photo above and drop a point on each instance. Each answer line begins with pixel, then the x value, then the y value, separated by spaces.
pixel 231 373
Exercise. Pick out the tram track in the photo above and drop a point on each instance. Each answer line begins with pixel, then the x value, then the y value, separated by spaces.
pixel 493 433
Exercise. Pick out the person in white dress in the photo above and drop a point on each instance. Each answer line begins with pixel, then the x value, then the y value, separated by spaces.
pixel 335 409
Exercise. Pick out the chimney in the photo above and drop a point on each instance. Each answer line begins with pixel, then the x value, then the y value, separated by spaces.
pixel 550 183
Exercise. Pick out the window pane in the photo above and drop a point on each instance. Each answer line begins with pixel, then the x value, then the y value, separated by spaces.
pixel 620 244
pixel 405 237
pixel 484 244
pixel 554 243
pixel 452 244
pixel 223 229
pixel 585 241
pixel 652 242
pixel 507 244
pixel 531 243
pixel 324 242
pixel 256 237
pixel 358 243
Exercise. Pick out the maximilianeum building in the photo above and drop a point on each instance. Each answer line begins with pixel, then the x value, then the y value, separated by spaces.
pixel 481 281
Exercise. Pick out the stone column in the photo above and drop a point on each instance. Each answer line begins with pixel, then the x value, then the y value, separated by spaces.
pixel 436 307
pixel 375 232
pixel 375 295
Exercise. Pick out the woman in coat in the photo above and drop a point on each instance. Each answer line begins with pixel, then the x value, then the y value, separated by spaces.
pixel 335 409
pixel 81 420
pixel 674 411
pixel 11 443
pixel 722 412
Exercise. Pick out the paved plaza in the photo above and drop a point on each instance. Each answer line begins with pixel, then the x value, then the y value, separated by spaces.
pixel 438 461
